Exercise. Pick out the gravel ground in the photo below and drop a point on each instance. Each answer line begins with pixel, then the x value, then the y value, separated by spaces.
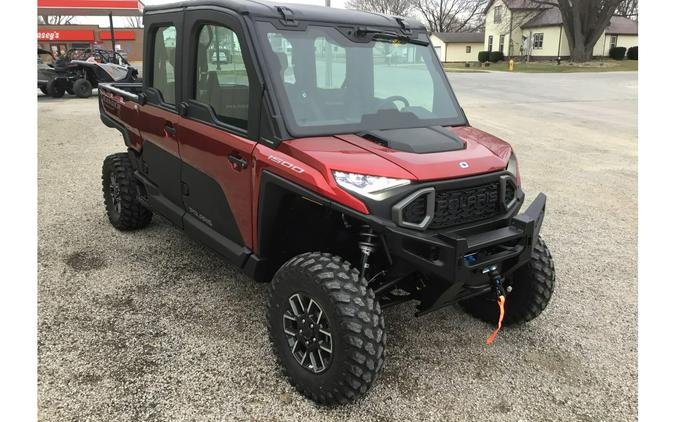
pixel 152 326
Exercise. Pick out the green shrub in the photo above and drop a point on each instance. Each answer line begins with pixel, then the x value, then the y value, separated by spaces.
pixel 632 53
pixel 483 56
pixel 617 53
pixel 496 56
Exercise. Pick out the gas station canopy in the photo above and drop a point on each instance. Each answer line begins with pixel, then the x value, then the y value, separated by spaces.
pixel 90 7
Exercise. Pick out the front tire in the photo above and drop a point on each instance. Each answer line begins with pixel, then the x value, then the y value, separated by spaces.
pixel 533 285
pixel 326 328
pixel 82 88
pixel 120 194
pixel 55 88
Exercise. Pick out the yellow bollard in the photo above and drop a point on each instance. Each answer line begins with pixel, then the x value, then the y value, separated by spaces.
pixel 511 63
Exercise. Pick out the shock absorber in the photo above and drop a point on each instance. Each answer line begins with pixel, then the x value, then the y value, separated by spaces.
pixel 367 246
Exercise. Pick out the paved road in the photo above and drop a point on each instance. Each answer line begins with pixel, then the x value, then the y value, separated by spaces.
pixel 151 326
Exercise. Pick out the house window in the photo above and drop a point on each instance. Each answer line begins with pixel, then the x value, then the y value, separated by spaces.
pixel 468 49
pixel 538 40
pixel 490 43
pixel 498 14
pixel 613 40
pixel 501 43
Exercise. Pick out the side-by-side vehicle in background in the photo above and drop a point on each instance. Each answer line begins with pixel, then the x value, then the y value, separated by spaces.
pixel 79 71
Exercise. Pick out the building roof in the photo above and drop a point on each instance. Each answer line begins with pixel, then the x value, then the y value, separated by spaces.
pixel 623 26
pixel 520 4
pixel 460 37
pixel 547 17
pixel 552 17
pixel 303 12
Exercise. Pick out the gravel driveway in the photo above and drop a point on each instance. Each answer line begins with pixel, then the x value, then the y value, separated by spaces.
pixel 152 326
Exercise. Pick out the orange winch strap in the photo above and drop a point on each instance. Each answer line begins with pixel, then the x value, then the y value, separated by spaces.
pixel 500 302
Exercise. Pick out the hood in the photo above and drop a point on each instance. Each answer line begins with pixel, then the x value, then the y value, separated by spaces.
pixel 480 153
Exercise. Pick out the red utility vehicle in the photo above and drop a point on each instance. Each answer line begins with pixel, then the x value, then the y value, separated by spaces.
pixel 327 154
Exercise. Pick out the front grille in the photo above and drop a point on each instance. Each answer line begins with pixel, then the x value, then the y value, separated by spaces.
pixel 458 206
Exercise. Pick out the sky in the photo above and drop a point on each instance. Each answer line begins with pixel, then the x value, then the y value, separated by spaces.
pixel 121 21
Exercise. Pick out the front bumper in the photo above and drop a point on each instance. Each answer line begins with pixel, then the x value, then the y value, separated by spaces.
pixel 454 261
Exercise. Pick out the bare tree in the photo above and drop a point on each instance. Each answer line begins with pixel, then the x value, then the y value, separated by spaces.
pixel 388 7
pixel 135 21
pixel 584 22
pixel 55 20
pixel 628 9
pixel 452 15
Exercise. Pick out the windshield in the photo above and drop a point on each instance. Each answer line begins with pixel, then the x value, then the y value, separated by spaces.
pixel 331 84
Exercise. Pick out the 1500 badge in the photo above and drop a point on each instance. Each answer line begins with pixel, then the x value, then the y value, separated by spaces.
pixel 286 164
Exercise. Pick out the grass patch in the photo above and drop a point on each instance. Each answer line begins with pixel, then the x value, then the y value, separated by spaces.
pixel 608 65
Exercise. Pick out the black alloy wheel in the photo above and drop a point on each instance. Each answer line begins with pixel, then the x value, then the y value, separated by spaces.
pixel 308 333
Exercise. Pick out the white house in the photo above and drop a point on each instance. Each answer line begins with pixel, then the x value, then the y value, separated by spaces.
pixel 516 26
pixel 457 46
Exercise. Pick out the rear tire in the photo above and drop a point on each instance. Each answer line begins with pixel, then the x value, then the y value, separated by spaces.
pixel 346 309
pixel 533 285
pixel 120 194
pixel 55 89
pixel 82 88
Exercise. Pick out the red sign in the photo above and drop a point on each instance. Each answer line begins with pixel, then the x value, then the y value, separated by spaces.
pixel 91 4
pixel 119 35
pixel 65 35
pixel 90 7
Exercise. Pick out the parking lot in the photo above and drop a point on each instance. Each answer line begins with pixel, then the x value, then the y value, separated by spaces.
pixel 149 325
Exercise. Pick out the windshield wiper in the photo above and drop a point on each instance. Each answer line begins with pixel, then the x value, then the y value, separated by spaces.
pixel 389 36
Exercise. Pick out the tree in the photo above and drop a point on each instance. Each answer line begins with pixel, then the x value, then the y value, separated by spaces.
pixel 135 21
pixel 452 15
pixel 55 20
pixel 584 22
pixel 388 7
pixel 628 9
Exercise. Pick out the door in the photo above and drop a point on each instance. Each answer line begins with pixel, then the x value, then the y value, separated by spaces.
pixel 160 163
pixel 218 132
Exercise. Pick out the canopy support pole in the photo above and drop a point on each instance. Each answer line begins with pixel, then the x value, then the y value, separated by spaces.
pixel 112 32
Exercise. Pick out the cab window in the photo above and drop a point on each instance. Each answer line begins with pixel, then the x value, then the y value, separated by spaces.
pixel 164 63
pixel 221 78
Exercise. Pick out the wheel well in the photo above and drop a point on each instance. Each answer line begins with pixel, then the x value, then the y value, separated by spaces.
pixel 292 224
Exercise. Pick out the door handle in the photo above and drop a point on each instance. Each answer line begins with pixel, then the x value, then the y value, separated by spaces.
pixel 170 129
pixel 237 162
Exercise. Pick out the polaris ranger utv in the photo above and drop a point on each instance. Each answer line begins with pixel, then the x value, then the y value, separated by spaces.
pixel 329 156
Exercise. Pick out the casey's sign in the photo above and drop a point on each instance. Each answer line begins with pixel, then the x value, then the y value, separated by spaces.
pixel 65 35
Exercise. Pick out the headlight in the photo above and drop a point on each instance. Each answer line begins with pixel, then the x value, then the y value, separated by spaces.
pixel 366 185
pixel 513 165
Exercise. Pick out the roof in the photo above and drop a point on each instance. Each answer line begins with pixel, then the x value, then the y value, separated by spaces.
pixel 552 17
pixel 519 4
pixel 620 25
pixel 460 37
pixel 547 17
pixel 265 9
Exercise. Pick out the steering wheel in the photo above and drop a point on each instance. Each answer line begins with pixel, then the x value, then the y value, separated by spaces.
pixel 392 100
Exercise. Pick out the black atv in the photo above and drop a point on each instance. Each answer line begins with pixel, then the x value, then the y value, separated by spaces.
pixel 79 71
pixel 50 81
